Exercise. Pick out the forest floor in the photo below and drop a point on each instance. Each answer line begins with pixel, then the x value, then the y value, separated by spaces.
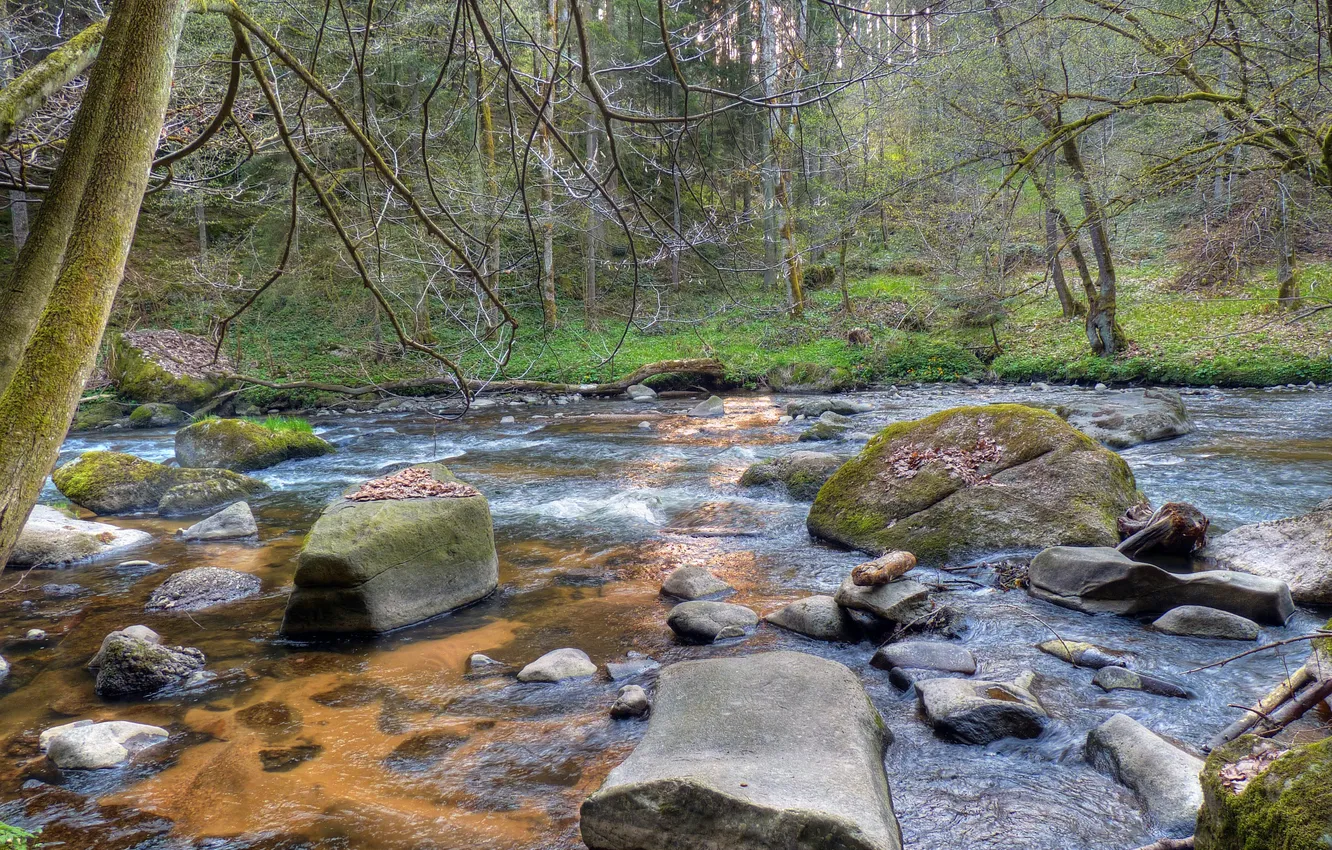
pixel 922 328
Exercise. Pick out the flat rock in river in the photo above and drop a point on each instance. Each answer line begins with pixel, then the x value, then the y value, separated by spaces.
pixel 1101 580
pixel 972 711
pixel 203 587
pixel 925 655
pixel 1164 777
pixel 818 617
pixel 232 523
pixel 801 473
pixel 690 583
pixel 1129 417
pixel 559 665
pixel 1296 550
pixel 1199 621
pixel 1082 654
pixel 84 745
pixel 704 622
pixel 51 539
pixel 1121 678
pixel 774 751
pixel 898 601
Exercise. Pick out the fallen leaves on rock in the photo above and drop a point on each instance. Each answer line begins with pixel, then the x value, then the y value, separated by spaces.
pixel 1235 777
pixel 908 460
pixel 411 483
pixel 181 354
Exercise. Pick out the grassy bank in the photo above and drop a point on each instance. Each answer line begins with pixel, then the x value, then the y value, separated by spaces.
pixel 321 328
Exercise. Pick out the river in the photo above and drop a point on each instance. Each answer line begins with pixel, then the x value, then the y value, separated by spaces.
pixel 387 744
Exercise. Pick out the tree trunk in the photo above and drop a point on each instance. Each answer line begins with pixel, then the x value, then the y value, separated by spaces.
pixel 548 172
pixel 1067 303
pixel 24 295
pixel 592 149
pixel 201 219
pixel 1103 331
pixel 768 171
pixel 1288 288
pixel 37 406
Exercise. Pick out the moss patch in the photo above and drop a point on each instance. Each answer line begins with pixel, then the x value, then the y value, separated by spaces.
pixel 1049 484
pixel 114 483
pixel 242 445
pixel 1287 806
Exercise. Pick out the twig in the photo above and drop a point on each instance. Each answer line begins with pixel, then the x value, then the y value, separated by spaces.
pixel 1316 634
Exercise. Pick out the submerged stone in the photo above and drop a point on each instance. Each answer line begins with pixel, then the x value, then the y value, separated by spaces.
pixel 800 473
pixel 973 711
pixel 1164 777
pixel 1129 417
pixel 705 622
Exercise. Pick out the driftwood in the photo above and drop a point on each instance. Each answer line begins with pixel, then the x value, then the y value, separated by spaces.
pixel 1176 528
pixel 698 366
pixel 883 569
pixel 1170 844
pixel 1288 701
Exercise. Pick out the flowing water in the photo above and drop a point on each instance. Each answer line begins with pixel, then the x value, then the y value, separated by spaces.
pixel 387 743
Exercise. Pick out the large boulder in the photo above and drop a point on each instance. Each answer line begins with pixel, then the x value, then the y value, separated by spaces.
pixel 775 751
pixel 1164 777
pixel 808 378
pixel 1257 794
pixel 167 366
pixel 157 415
pixel 371 566
pixel 1127 418
pixel 974 481
pixel 973 711
pixel 203 587
pixel 132 667
pixel 85 745
pixel 118 483
pixel 801 473
pixel 51 539
pixel 243 446
pixel 1297 550
pixel 1101 580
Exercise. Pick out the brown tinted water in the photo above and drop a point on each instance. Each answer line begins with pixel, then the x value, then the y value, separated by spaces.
pixel 388 743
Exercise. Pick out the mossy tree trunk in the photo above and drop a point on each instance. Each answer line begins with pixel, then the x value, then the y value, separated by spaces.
pixel 23 296
pixel 36 407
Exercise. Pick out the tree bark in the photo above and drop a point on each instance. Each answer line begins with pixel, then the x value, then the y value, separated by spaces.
pixel 548 311
pixel 1288 288
pixel 593 235
pixel 37 406
pixel 768 170
pixel 24 295
pixel 1067 304
pixel 1103 331
pixel 27 94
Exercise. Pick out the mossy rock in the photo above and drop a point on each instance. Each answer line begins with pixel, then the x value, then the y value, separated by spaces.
pixel 98 414
pixel 243 446
pixel 140 371
pixel 808 378
pixel 1287 806
pixel 1040 483
pixel 801 473
pixel 373 566
pixel 118 483
pixel 157 415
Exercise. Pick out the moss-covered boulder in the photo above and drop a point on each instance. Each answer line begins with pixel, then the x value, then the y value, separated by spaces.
pixel 1253 801
pixel 801 473
pixel 157 415
pixel 118 483
pixel 808 378
pixel 100 414
pixel 242 446
pixel 167 366
pixel 975 481
pixel 374 565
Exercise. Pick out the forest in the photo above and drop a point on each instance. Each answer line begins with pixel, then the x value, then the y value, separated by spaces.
pixel 465 365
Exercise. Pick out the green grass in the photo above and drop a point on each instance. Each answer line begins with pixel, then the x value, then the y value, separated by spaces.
pixel 284 424
pixel 320 327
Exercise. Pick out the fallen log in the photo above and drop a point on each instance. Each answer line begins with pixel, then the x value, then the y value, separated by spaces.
pixel 1170 844
pixel 1268 704
pixel 1175 528
pixel 699 366
pixel 1297 706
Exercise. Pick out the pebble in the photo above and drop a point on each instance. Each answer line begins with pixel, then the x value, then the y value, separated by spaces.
pixel 646 426
pixel 36 634
pixel 507 420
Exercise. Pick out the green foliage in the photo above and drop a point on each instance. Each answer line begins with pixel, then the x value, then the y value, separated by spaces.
pixel 14 838
pixel 284 424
